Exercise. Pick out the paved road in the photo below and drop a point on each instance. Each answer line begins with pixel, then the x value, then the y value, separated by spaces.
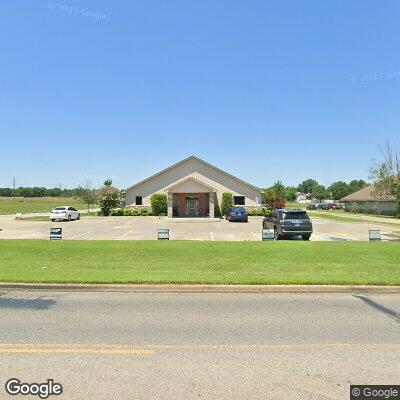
pixel 210 346
pixel 145 228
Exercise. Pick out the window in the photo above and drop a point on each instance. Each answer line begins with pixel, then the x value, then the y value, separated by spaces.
pixel 238 200
pixel 139 200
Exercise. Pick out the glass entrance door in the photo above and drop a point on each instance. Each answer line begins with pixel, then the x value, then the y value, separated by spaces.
pixel 192 206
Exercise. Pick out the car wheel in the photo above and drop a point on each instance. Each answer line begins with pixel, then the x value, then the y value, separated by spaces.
pixel 69 218
pixel 306 237
pixel 79 216
pixel 53 220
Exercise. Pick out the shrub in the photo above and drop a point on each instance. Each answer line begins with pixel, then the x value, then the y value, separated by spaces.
pixel 217 211
pixel 127 212
pixel 159 204
pixel 256 211
pixel 227 202
pixel 118 212
pixel 109 198
pixel 144 212
pixel 135 213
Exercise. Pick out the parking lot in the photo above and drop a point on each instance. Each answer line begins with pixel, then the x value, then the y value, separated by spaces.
pixel 145 228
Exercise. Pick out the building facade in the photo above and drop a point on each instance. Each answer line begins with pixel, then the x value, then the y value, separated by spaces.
pixel 364 201
pixel 193 188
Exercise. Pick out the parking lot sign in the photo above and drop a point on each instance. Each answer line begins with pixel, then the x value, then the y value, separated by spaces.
pixel 163 234
pixel 268 234
pixel 374 235
pixel 55 233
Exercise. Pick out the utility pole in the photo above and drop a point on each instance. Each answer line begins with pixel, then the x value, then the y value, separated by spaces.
pixel 14 188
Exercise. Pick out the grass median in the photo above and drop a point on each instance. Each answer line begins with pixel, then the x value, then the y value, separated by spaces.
pixel 200 262
pixel 36 204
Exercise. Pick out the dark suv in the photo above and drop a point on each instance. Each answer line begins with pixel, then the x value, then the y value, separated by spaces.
pixel 289 223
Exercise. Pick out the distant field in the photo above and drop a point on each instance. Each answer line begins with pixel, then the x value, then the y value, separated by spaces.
pixel 200 262
pixel 36 204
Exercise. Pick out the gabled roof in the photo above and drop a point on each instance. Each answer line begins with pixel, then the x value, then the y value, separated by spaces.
pixel 190 178
pixel 365 194
pixel 200 160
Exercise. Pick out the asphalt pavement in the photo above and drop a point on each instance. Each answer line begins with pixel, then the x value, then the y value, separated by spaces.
pixel 145 228
pixel 105 345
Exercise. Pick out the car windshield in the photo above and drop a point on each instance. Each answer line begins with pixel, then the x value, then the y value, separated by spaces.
pixel 59 208
pixel 238 210
pixel 295 215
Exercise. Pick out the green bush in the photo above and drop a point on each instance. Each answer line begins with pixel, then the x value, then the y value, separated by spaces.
pixel 217 211
pixel 227 202
pixel 144 212
pixel 159 204
pixel 118 212
pixel 135 213
pixel 127 212
pixel 256 211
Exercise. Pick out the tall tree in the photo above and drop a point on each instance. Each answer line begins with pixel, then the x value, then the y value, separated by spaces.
pixel 339 189
pixel 307 186
pixel 319 192
pixel 357 184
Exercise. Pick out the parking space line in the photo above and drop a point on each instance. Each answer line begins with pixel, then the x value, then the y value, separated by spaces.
pixel 212 237
pixel 81 234
pixel 125 234
pixel 257 236
pixel 29 234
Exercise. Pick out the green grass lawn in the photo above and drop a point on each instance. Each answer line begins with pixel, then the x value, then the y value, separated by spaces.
pixel 36 204
pixel 200 262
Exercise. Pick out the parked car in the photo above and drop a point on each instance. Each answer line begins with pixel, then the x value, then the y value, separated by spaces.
pixel 289 223
pixel 335 206
pixel 237 214
pixel 322 206
pixel 311 207
pixel 64 213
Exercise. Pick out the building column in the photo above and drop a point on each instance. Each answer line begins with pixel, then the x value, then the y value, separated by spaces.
pixel 169 202
pixel 211 204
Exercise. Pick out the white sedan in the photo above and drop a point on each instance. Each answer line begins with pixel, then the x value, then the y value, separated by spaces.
pixel 64 213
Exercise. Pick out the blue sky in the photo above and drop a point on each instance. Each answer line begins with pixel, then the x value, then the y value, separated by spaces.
pixel 266 90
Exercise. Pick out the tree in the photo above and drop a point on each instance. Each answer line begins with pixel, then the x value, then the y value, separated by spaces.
pixel 307 186
pixel 339 189
pixel 159 204
pixel 227 202
pixel 356 185
pixel 319 192
pixel 86 194
pixel 109 198
pixel 274 197
pixel 385 173
pixel 279 190
pixel 290 193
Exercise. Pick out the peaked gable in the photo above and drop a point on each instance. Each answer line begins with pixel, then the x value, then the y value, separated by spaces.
pixel 186 160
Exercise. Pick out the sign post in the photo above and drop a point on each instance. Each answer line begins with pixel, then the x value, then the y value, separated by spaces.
pixel 268 234
pixel 55 233
pixel 163 234
pixel 374 235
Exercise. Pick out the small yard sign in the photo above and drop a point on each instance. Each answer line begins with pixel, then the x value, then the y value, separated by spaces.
pixel 267 234
pixel 163 234
pixel 374 235
pixel 18 216
pixel 55 233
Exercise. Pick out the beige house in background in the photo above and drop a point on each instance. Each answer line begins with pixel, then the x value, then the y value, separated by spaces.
pixel 364 201
pixel 193 188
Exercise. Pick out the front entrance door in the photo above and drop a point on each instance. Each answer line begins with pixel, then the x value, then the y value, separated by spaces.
pixel 192 206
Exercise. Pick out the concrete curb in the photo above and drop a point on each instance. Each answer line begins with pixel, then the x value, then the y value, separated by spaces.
pixel 170 288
